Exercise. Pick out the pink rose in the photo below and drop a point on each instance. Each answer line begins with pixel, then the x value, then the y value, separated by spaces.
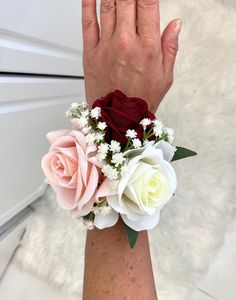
pixel 72 170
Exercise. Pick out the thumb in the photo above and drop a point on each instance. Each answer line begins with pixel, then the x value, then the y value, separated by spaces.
pixel 169 42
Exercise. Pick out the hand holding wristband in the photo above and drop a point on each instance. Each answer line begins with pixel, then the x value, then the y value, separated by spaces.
pixel 114 162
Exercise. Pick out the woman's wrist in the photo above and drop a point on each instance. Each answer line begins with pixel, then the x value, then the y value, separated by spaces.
pixel 112 268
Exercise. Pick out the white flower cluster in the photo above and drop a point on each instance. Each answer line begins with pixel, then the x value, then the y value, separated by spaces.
pixel 84 223
pixel 131 134
pixel 112 155
pixel 87 121
pixel 110 172
pixel 170 134
pixel 95 113
pixel 157 129
pixel 75 108
pixel 113 160
pixel 103 210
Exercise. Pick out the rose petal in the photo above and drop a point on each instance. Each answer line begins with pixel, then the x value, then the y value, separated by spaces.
pixel 72 166
pixel 54 135
pixel 143 223
pixel 86 207
pixel 69 152
pixel 90 188
pixel 80 139
pixel 46 166
pixel 113 201
pixel 63 141
pixel 66 197
pixel 168 149
pixel 80 186
pixel 108 220
pixel 104 190
pixel 82 163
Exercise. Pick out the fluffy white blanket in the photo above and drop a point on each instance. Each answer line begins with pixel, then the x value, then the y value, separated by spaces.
pixel 201 108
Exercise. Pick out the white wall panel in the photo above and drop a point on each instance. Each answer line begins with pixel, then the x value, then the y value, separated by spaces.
pixel 29 108
pixel 43 37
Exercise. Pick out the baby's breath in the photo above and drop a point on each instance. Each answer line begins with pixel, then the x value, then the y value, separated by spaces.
pixel 110 172
pixel 117 159
pixel 136 143
pixel 102 125
pixel 95 113
pixel 131 133
pixel 115 146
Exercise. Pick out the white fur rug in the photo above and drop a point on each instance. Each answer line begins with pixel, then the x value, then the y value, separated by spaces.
pixel 201 108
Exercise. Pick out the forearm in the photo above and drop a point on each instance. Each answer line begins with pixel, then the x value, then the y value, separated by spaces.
pixel 113 270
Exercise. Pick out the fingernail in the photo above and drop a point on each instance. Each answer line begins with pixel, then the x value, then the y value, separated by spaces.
pixel 178 26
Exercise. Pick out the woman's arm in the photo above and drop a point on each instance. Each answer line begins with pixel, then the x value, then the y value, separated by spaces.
pixel 128 53
pixel 113 270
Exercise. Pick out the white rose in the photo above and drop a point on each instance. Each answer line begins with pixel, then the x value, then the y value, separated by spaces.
pixel 146 187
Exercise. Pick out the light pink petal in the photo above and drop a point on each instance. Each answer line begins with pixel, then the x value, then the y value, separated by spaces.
pixel 62 166
pixel 82 163
pixel 69 152
pixel 71 166
pixel 68 182
pixel 90 188
pixel 65 165
pixel 56 166
pixel 46 166
pixel 66 197
pixel 104 190
pixel 64 142
pixel 80 186
pixel 86 208
pixel 80 139
pixel 91 153
pixel 53 135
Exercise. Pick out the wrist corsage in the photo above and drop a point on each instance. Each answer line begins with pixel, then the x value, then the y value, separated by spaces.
pixel 116 161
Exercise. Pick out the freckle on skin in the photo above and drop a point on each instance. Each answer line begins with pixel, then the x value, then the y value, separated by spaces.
pixel 107 292
pixel 92 244
pixel 131 267
pixel 133 279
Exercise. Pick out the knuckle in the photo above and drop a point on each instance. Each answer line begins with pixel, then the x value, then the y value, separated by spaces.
pixel 88 23
pixel 107 6
pixel 123 43
pixel 122 46
pixel 147 2
pixel 150 48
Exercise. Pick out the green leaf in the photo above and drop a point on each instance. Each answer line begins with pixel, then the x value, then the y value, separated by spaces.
pixel 183 153
pixel 132 236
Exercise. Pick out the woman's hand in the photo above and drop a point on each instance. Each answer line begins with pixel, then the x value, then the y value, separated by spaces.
pixel 128 52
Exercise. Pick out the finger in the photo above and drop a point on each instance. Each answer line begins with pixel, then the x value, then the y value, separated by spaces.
pixel 169 40
pixel 126 16
pixel 108 18
pixel 148 18
pixel 90 26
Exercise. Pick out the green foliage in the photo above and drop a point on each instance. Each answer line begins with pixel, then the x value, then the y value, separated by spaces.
pixel 132 236
pixel 183 153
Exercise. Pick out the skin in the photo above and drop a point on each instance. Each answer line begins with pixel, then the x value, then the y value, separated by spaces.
pixel 128 52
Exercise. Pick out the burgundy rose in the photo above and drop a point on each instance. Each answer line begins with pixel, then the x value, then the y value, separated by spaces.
pixel 122 113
